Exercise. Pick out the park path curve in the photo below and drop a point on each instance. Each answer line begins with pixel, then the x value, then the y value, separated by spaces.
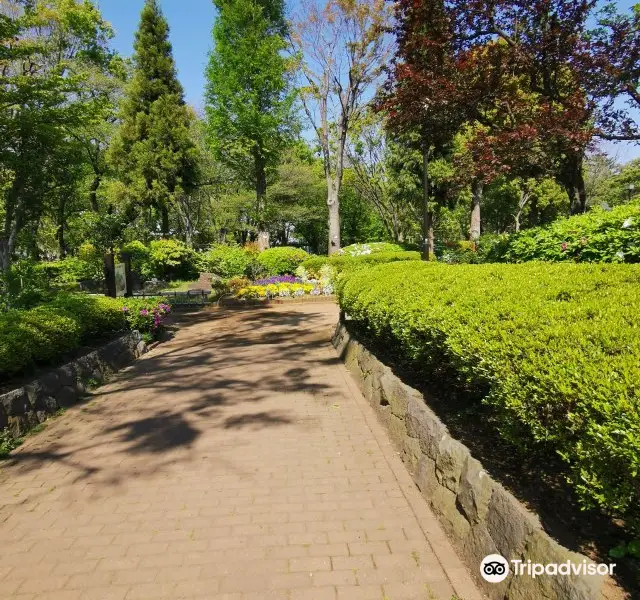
pixel 236 461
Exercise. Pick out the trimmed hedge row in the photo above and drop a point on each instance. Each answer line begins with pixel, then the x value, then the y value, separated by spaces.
pixel 611 236
pixel 553 348
pixel 345 262
pixel 42 335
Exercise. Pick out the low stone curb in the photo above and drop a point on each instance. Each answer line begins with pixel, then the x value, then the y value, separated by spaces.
pixel 477 513
pixel 25 407
pixel 227 302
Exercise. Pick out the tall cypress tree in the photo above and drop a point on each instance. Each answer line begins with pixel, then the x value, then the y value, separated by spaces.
pixel 249 99
pixel 153 150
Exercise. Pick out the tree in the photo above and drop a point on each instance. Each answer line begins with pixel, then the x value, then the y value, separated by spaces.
pixel 48 49
pixel 249 99
pixel 342 49
pixel 153 151
pixel 614 69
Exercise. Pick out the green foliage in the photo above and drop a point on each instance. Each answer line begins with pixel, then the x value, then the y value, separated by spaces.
pixel 96 314
pixel 46 334
pixel 249 103
pixel 598 236
pixel 169 259
pixel 8 442
pixel 553 349
pixel 227 261
pixel 281 261
pixel 370 248
pixel 153 151
pixel 342 262
pixel 35 336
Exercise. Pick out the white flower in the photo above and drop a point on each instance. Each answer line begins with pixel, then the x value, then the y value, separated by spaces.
pixel 628 223
pixel 620 254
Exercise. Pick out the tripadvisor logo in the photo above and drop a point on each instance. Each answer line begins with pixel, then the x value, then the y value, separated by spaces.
pixel 495 568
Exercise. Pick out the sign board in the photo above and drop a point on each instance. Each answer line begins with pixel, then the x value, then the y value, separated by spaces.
pixel 121 280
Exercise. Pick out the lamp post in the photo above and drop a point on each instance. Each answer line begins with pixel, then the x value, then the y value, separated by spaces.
pixel 630 189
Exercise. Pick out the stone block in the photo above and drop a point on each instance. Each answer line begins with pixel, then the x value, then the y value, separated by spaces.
pixel 4 419
pixel 443 503
pixel 412 453
pixel 508 523
pixel 397 430
pixel 66 396
pixel 541 549
pixel 425 476
pixel 16 402
pixel 451 459
pixel 423 424
pixel 67 375
pixel 474 491
pixel 50 383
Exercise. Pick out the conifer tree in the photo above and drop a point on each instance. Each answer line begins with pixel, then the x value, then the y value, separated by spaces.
pixel 249 100
pixel 153 150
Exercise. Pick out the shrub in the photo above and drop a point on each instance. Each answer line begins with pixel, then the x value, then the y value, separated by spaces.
pixel 227 261
pixel 46 334
pixel 96 314
pixel 168 260
pixel 553 349
pixel 342 262
pixel 281 261
pixel 370 248
pixel 138 253
pixel 37 336
pixel 598 236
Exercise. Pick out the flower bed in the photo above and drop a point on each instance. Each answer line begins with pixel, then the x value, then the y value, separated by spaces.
pixel 42 335
pixel 284 290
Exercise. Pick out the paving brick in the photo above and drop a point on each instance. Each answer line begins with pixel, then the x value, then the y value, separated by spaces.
pixel 234 461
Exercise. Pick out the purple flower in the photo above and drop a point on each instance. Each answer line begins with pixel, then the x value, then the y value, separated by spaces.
pixel 125 309
pixel 278 279
pixel 144 312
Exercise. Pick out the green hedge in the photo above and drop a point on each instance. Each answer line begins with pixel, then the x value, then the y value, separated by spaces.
pixel 370 248
pixel 283 260
pixel 45 334
pixel 227 261
pixel 344 262
pixel 598 236
pixel 553 348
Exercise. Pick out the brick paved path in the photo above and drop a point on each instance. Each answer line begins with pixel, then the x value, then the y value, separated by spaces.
pixel 236 461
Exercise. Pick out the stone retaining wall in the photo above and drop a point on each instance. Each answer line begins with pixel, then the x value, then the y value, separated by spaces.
pixel 477 513
pixel 27 406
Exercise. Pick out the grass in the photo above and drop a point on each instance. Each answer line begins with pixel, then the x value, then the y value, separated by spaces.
pixel 179 285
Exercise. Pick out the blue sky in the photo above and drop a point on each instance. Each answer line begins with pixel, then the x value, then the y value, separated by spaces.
pixel 190 22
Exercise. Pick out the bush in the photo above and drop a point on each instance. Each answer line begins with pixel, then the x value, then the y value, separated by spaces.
pixel 370 248
pixel 46 334
pixel 96 314
pixel 345 262
pixel 598 236
pixel 37 336
pixel 138 253
pixel 227 261
pixel 169 260
pixel 281 261
pixel 553 349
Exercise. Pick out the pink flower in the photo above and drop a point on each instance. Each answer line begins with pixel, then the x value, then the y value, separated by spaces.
pixel 564 246
pixel 125 309
pixel 144 312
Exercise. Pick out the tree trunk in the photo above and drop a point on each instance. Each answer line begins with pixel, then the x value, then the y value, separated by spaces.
pixel 261 200
pixel 62 250
pixel 427 214
pixel 93 193
pixel 5 255
pixel 164 227
pixel 476 199
pixel 333 202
